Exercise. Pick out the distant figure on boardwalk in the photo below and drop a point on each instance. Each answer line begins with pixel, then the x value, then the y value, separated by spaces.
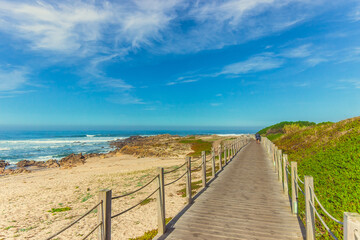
pixel 258 137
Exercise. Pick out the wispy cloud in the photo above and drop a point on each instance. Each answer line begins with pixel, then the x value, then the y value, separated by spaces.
pixel 85 27
pixel 182 80
pixel 350 83
pixel 125 98
pixel 253 64
pixel 298 52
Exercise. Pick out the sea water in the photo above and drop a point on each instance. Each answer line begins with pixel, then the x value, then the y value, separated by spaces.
pixel 43 145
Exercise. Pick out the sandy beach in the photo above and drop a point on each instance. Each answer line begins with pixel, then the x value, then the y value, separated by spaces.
pixel 27 199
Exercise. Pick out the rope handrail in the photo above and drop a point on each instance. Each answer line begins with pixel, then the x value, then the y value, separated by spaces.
pixel 175 180
pixel 197 168
pixel 326 212
pixel 127 194
pixel 194 160
pixel 287 170
pixel 322 221
pixel 300 189
pixel 74 222
pixel 116 215
pixel 93 230
pixel 298 178
pixel 175 169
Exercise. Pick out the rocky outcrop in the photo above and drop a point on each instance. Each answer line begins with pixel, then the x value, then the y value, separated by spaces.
pixel 3 163
pixel 52 163
pixel 164 145
pixel 30 163
pixel 4 171
pixel 72 160
pixel 128 141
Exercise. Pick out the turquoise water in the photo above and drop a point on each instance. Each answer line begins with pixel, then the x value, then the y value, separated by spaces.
pixel 43 145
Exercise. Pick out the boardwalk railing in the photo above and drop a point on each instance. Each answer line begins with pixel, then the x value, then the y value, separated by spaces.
pixel 224 154
pixel 288 173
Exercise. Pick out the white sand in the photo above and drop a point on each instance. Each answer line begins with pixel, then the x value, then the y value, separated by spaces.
pixel 27 198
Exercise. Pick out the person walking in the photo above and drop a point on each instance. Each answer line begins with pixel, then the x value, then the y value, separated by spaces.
pixel 258 137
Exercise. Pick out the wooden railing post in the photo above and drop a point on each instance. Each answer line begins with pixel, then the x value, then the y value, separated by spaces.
pixel 213 163
pixel 104 214
pixel 161 202
pixel 279 165
pixel 351 226
pixel 285 176
pixel 294 189
pixel 220 161
pixel 275 158
pixel 188 181
pixel 309 211
pixel 228 152
pixel 203 154
pixel 225 157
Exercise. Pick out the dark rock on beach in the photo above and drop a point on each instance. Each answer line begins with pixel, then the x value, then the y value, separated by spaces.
pixel 72 160
pixel 52 163
pixel 128 141
pixel 3 164
pixel 30 163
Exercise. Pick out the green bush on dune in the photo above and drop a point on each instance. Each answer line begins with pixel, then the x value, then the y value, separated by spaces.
pixel 330 153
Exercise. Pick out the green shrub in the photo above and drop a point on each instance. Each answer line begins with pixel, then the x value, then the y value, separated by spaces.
pixel 64 209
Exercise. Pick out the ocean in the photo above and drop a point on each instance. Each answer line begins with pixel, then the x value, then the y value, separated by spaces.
pixel 42 145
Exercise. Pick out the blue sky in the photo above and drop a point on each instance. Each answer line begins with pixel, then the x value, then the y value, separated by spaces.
pixel 178 62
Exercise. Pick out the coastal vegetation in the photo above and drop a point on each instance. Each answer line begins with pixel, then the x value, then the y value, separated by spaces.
pixel 330 152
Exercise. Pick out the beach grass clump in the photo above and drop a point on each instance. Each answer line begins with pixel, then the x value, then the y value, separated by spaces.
pixel 9 227
pixel 330 153
pixel 194 186
pixel 148 235
pixel 197 146
pixel 56 210
pixel 146 201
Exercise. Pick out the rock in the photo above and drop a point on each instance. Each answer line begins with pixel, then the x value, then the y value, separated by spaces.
pixel 52 163
pixel 28 163
pixel 3 164
pixel 14 171
pixel 72 160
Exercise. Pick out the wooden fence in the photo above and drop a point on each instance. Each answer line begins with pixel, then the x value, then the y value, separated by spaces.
pixel 224 154
pixel 286 172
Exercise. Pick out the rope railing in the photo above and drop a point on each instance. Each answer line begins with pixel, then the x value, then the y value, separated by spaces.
pixel 197 168
pixel 196 159
pixel 176 179
pixel 326 212
pixel 322 221
pixel 300 189
pixel 92 231
pixel 175 169
pixel 351 223
pixel 105 196
pixel 298 178
pixel 130 208
pixel 127 194
pixel 74 222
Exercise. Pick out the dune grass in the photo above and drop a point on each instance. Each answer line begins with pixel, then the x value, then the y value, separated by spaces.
pixel 330 152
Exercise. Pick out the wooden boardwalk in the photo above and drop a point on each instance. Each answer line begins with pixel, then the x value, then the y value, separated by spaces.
pixel 245 201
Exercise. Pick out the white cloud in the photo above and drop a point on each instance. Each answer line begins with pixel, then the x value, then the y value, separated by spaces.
pixel 79 26
pixel 254 64
pixel 182 80
pixel 315 61
pixel 124 98
pixel 11 80
pixel 298 52
pixel 350 83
